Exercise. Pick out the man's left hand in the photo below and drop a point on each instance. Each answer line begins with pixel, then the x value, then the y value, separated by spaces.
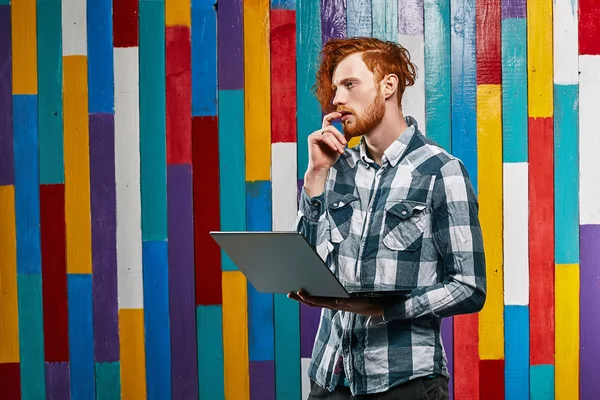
pixel 364 306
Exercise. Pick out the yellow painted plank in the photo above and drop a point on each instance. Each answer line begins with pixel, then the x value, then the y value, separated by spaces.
pixel 235 336
pixel 257 103
pixel 540 57
pixel 9 311
pixel 24 46
pixel 178 12
pixel 133 367
pixel 354 141
pixel 489 170
pixel 77 165
pixel 567 331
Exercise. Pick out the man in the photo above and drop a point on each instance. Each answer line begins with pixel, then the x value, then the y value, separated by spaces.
pixel 395 210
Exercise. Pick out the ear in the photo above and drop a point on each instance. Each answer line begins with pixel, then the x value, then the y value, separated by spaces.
pixel 389 85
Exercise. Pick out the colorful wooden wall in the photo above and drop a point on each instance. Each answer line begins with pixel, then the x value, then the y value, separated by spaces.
pixel 129 129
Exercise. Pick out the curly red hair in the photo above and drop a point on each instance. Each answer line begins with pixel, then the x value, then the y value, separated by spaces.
pixel 381 57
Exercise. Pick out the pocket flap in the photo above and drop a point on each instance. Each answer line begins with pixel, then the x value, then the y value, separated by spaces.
pixel 405 209
pixel 336 200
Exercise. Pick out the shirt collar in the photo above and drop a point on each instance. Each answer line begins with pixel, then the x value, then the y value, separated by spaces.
pixel 396 150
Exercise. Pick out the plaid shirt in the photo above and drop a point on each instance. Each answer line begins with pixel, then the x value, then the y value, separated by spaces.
pixel 411 222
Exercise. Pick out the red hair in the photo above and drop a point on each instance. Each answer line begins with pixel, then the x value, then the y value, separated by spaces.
pixel 381 57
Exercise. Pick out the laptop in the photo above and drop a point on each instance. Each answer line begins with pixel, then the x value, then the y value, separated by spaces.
pixel 284 262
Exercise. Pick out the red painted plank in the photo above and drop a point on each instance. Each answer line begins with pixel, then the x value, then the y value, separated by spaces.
pixel 541 240
pixel 466 357
pixel 179 95
pixel 10 381
pixel 206 209
pixel 489 53
pixel 125 23
pixel 491 379
pixel 589 27
pixel 283 76
pixel 54 271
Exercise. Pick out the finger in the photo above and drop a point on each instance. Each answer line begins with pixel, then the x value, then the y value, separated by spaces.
pixel 333 142
pixel 329 118
pixel 338 135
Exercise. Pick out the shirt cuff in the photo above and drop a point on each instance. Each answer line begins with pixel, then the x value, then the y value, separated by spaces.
pixel 312 207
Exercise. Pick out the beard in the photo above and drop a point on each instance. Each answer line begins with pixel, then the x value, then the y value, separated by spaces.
pixel 372 117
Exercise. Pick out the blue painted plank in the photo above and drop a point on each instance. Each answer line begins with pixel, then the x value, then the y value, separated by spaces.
pixel 50 112
pixel 516 352
pixel 514 89
pixel 211 380
pixel 31 337
pixel 359 21
pixel 156 320
pixel 108 381
pixel 101 92
pixel 153 153
pixel 204 58
pixel 283 4
pixel 566 172
pixel 27 195
pixel 385 19
pixel 232 167
pixel 81 336
pixel 287 348
pixel 542 382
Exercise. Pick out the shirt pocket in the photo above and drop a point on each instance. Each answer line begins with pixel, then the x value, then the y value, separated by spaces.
pixel 403 225
pixel 340 212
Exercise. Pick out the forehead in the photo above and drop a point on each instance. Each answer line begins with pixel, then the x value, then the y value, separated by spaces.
pixel 351 67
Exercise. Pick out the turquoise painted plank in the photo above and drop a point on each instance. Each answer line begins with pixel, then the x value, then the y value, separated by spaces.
pixel 514 89
pixel 566 172
pixel 232 165
pixel 153 137
pixel 283 4
pixel 108 381
pixel 385 19
pixel 541 382
pixel 50 112
pixel 211 378
pixel 438 93
pixel 308 46
pixel 81 336
pixel 4 2
pixel 287 348
pixel 516 352
pixel 204 58
pixel 359 21
pixel 101 77
pixel 31 337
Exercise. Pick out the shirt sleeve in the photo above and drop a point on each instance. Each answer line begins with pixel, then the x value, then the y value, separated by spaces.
pixel 313 224
pixel 457 235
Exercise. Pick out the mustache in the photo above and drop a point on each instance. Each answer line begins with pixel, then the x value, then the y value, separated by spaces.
pixel 344 109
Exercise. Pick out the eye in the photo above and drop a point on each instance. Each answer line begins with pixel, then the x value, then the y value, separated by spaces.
pixel 349 84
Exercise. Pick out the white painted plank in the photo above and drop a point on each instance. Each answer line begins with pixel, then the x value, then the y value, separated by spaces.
pixel 516 233
pixel 127 171
pixel 565 42
pixel 589 139
pixel 410 17
pixel 413 101
pixel 305 379
pixel 285 187
pixel 74 28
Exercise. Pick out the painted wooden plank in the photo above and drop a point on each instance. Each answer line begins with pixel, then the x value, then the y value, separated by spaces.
pixel 436 60
pixel 211 379
pixel 283 4
pixel 413 99
pixel 489 168
pixel 50 113
pixel 411 17
pixel 385 18
pixel 57 381
pixel 235 336
pixel 333 19
pixel 6 114
pixel 74 27
pixel 567 331
pixel 104 243
pixel 54 269
pixel 231 45
pixel 262 380
pixel 285 207
pixel 466 355
pixel 589 15
pixel 77 170
pixel 100 57
pixel 178 13
pixel 287 348
pixel 514 9
pixel 81 336
pixel 539 57
pixel 260 328
pixel 182 309
pixel 565 31
pixel 489 70
pixel 305 365
pixel 514 89
pixel 541 382
pixel 516 347
pixel 541 240
pixel 359 21
pixel 516 233
pixel 205 157
pixel 589 140
pixel 133 371
pixel 491 382
pixel 178 95
pixel 153 158
pixel 309 324
pixel 10 378
pixel 448 343
pixel 204 58
pixel 27 197
pixel 588 311
pixel 125 23
pixel 9 312
pixel 156 320
pixel 108 381
pixel 24 48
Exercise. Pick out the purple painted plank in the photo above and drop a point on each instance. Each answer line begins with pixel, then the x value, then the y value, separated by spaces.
pixel 104 242
pixel 410 17
pixel 448 341
pixel 182 308
pixel 262 380
pixel 309 323
pixel 57 381
pixel 230 22
pixel 590 318
pixel 333 19
pixel 514 8
pixel 7 157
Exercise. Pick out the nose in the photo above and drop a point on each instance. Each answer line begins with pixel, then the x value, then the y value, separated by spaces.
pixel 339 98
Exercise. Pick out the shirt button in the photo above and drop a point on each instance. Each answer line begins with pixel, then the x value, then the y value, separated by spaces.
pixel 315 213
pixel 336 204
pixel 403 212
pixel 370 209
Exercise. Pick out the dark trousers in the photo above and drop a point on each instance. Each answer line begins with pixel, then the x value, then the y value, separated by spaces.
pixel 416 389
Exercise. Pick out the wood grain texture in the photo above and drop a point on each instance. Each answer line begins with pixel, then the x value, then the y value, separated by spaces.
pixel 565 31
pixel 230 48
pixel 466 357
pixel 74 27
pixel 385 19
pixel 540 58
pixel 516 333
pixel 489 65
pixel 410 17
pixel 204 58
pixel 133 371
pixel 589 27
pixel 333 19
pixel 359 21
pixel 24 47
pixel 567 332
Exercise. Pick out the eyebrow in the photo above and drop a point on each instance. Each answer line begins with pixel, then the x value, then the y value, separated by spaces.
pixel 343 81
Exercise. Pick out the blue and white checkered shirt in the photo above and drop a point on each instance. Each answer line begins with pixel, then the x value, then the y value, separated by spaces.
pixel 411 222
